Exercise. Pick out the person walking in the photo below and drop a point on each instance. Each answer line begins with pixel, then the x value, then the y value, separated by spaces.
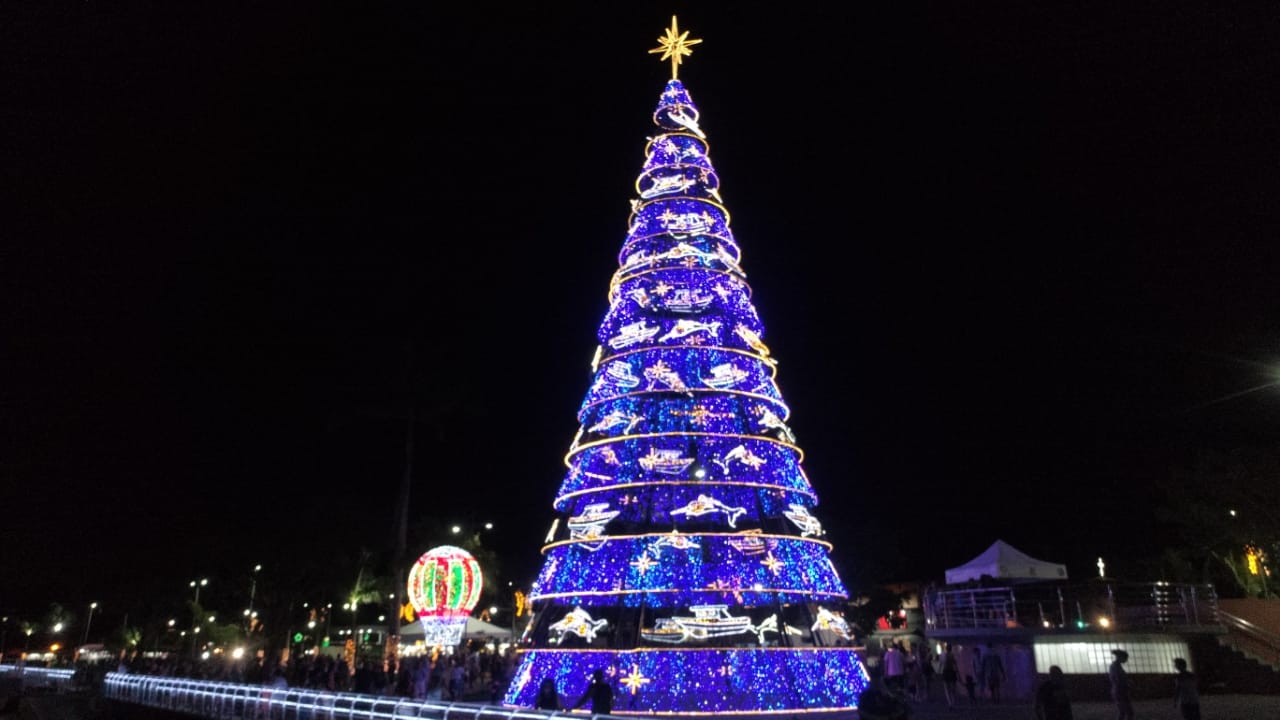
pixel 1052 702
pixel 1121 691
pixel 599 693
pixel 950 675
pixel 895 668
pixel 1186 691
pixel 979 672
pixel 993 671
pixel 548 696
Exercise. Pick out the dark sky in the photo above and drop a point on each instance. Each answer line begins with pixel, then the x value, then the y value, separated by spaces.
pixel 1012 258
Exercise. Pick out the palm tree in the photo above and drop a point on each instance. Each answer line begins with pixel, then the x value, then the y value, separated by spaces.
pixel 28 629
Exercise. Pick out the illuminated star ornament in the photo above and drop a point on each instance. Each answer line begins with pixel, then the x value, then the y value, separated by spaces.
pixel 675 46
pixel 635 680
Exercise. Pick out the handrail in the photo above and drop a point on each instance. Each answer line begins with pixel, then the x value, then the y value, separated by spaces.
pixel 1054 605
pixel 40 676
pixel 1272 640
pixel 236 701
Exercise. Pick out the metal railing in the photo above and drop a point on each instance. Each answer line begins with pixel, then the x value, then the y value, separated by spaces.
pixel 1260 643
pixel 1052 606
pixel 40 677
pixel 235 701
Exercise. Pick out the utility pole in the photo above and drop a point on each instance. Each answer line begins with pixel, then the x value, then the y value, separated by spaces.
pixel 402 534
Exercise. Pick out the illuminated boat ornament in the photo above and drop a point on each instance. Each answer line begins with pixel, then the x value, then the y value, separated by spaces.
pixel 807 523
pixel 682 225
pixel 633 333
pixel 687 300
pixel 706 505
pixel 640 297
pixel 667 185
pixel 725 376
pixel 577 622
pixel 685 250
pixel 748 542
pixel 667 462
pixel 707 621
pixel 619 373
pixel 831 622
pixel 590 525
pixel 683 328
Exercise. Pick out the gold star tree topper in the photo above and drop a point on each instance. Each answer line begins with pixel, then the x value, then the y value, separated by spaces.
pixel 675 46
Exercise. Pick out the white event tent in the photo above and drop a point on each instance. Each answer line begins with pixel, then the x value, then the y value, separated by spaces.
pixel 1003 561
pixel 476 630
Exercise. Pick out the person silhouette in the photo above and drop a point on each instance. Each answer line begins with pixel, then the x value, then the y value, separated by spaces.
pixel 1186 691
pixel 1120 690
pixel 599 693
pixel 1052 702
pixel 548 696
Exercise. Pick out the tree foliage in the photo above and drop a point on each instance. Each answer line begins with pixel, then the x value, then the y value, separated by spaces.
pixel 1223 517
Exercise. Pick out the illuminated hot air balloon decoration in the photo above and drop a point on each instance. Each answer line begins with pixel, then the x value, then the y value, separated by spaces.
pixel 444 586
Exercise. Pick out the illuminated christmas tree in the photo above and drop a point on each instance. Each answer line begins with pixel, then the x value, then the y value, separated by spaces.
pixel 686 561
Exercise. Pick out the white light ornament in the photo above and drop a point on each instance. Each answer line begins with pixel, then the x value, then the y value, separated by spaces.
pixel 687 300
pixel 674 540
pixel 667 462
pixel 831 622
pixel 707 621
pixel 615 419
pixel 684 328
pixel 807 523
pixel 633 334
pixel 619 374
pixel 707 505
pixel 660 372
pixel 769 420
pixel 589 526
pixel 682 225
pixel 741 454
pixel 725 376
pixel 577 622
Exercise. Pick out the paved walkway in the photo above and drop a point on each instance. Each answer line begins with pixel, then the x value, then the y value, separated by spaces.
pixel 1213 707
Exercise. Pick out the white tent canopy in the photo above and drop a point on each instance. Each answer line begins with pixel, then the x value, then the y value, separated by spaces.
pixel 1003 561
pixel 476 630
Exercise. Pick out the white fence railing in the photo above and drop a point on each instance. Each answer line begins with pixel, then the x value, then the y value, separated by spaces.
pixel 234 701
pixel 39 677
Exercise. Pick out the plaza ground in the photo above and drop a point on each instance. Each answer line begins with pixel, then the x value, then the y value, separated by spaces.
pixel 1213 707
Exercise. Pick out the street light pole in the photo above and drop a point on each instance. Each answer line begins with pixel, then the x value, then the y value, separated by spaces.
pixel 92 606
pixel 197 585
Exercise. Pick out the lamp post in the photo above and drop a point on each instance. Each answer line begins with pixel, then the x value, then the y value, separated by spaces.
pixel 197 584
pixel 253 586
pixel 92 606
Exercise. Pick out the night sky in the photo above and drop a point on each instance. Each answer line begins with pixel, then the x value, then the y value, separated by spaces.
pixel 1016 261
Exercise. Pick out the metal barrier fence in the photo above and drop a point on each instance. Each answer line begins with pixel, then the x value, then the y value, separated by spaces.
pixel 234 701
pixel 39 677
pixel 1145 606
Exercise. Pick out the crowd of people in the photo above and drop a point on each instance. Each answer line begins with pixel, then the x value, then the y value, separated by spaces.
pixel 479 674
pixel 904 678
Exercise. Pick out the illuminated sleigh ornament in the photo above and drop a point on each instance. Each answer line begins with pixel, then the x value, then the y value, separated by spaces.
pixel 707 621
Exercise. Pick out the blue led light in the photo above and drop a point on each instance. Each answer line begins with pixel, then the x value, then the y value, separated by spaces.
pixel 687 519
pixel 701 681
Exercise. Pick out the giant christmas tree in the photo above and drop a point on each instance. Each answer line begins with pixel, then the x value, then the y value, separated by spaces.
pixel 686 561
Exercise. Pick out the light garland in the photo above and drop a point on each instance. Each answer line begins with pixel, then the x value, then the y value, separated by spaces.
pixel 701 681
pixel 689 532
